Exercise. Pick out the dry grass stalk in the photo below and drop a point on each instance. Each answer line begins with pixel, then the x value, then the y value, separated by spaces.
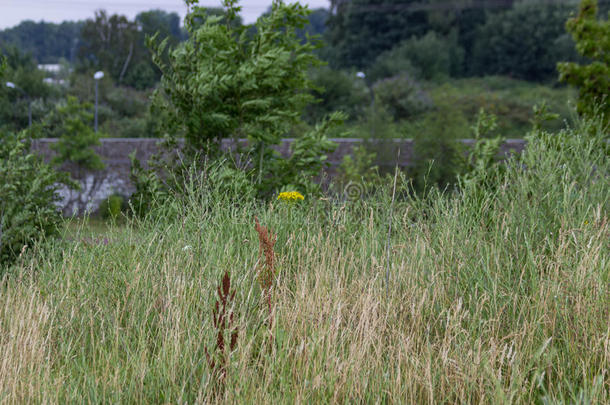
pixel 266 274
pixel 223 318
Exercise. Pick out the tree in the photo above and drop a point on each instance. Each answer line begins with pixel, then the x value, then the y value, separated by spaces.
pixel 77 137
pixel 75 148
pixel 28 197
pixel 167 25
pixel 46 42
pixel 428 57
pixel 110 43
pixel 29 90
pixel 360 30
pixel 232 81
pixel 225 83
pixel 524 42
pixel 592 38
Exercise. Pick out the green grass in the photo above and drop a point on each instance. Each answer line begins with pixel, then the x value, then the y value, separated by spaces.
pixel 497 295
pixel 88 227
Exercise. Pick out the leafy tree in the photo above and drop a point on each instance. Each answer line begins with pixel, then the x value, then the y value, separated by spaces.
pixel 110 43
pixel 28 197
pixel 22 71
pixel 592 38
pixel 316 23
pixel 75 148
pixel 167 25
pixel 523 42
pixel 428 57
pixel 75 145
pixel 46 42
pixel 231 81
pixel 401 96
pixel 359 30
pixel 254 87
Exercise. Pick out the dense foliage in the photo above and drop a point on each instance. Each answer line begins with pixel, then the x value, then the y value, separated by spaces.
pixel 47 42
pixel 76 138
pixel 592 38
pixel 28 197
pixel 524 42
pixel 30 91
pixel 225 83
pixel 233 81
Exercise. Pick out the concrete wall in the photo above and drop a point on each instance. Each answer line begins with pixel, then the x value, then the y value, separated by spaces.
pixel 97 186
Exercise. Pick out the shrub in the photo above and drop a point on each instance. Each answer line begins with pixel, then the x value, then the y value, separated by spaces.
pixel 77 138
pixel 28 197
pixel 401 96
pixel 336 90
pixel 436 150
pixel 112 207
pixel 428 57
pixel 359 170
pixel 226 82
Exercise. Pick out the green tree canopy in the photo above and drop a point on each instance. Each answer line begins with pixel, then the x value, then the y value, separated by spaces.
pixel 525 42
pixel 592 38
pixel 360 30
pixel 75 145
pixel 110 43
pixel 228 81
pixel 46 42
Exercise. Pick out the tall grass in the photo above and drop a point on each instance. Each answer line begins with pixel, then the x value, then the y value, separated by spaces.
pixel 497 294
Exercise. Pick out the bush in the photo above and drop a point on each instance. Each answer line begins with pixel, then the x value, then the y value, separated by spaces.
pixel 358 169
pixel 112 207
pixel 430 57
pixel 401 96
pixel 77 138
pixel 436 150
pixel 28 197
pixel 336 90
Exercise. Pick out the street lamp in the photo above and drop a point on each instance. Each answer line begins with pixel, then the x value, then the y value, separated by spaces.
pixel 97 77
pixel 362 75
pixel 15 87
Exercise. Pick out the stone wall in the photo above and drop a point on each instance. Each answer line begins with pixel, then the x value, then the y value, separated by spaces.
pixel 97 186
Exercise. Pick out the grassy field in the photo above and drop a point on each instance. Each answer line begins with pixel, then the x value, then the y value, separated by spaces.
pixel 498 293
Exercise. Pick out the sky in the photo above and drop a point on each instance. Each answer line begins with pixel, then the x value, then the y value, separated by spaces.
pixel 12 12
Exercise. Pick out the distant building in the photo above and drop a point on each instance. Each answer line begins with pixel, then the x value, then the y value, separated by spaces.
pixel 54 68
pixel 51 81
pixel 55 74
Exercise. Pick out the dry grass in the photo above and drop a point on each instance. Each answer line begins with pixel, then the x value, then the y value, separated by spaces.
pixel 494 298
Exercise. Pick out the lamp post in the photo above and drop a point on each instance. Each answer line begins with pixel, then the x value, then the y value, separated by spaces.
pixel 15 87
pixel 97 77
pixel 362 75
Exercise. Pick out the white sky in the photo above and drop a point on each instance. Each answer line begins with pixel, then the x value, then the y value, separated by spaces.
pixel 12 12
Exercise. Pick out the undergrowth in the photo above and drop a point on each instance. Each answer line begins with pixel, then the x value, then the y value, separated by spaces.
pixel 496 295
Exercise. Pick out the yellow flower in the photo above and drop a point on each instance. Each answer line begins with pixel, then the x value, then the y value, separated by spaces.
pixel 290 196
